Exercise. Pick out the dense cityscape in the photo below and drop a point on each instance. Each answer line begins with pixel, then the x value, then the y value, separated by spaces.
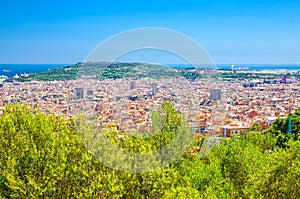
pixel 214 106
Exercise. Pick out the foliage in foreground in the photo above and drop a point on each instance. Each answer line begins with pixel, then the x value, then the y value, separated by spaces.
pixel 280 129
pixel 42 156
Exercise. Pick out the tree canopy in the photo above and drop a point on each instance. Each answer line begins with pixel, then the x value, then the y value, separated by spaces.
pixel 42 156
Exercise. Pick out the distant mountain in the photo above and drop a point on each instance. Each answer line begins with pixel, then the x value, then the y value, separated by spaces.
pixel 107 70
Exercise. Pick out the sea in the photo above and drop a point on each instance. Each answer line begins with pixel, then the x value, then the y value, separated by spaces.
pixel 251 67
pixel 10 70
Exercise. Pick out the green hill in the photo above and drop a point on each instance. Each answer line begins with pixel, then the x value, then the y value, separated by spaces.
pixel 107 70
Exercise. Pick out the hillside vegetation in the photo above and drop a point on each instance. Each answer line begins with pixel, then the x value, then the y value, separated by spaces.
pixel 42 156
pixel 105 70
pixel 115 70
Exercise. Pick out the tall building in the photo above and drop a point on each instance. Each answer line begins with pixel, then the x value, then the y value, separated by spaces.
pixel 215 94
pixel 132 85
pixel 78 93
pixel 154 88
pixel 283 79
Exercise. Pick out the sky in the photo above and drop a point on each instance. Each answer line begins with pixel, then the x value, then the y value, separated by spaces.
pixel 65 32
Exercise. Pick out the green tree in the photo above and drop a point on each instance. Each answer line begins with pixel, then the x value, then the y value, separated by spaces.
pixel 256 127
pixel 42 156
pixel 280 129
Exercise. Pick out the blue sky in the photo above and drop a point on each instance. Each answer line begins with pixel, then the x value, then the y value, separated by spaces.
pixel 241 31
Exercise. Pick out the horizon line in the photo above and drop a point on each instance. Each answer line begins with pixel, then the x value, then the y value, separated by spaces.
pixel 254 63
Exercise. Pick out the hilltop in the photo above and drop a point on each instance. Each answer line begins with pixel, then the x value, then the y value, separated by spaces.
pixel 107 70
pixel 116 70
